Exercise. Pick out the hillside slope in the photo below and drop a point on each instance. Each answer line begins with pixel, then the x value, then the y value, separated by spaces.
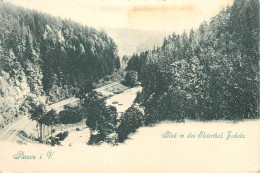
pixel 206 74
pixel 48 57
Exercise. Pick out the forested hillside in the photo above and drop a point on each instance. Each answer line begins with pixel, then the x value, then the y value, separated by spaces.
pixel 208 73
pixel 48 57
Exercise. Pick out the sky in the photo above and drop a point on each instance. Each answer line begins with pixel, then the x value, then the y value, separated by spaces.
pixel 160 16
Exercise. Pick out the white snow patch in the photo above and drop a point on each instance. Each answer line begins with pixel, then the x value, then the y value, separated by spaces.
pixel 148 152
pixel 124 100
pixel 77 138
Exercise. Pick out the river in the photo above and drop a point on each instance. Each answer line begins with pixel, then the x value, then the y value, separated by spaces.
pixel 124 100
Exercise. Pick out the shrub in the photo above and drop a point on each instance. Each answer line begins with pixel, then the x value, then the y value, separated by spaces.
pixel 96 139
pixel 131 120
pixel 62 135
pixel 70 115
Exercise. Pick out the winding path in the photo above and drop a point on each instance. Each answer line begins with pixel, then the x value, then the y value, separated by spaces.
pixel 11 131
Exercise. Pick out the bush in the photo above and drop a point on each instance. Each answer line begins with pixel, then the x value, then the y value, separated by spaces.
pixel 70 115
pixel 96 139
pixel 54 141
pixel 131 120
pixel 62 135
pixel 21 132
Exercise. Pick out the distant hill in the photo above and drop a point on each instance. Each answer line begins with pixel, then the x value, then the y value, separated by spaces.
pixel 130 41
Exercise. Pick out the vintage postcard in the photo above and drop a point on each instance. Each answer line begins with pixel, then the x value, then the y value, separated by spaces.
pixel 129 86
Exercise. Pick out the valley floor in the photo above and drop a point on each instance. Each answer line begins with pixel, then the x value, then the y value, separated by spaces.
pixel 14 132
pixel 159 148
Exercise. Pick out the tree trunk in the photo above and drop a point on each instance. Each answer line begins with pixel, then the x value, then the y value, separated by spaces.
pixel 40 131
pixel 51 130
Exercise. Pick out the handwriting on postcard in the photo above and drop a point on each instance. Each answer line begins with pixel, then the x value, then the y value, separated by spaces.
pixel 23 155
pixel 205 135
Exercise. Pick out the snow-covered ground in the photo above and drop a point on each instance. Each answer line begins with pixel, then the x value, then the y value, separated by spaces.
pixel 124 100
pixel 121 101
pixel 147 151
pixel 23 124
pixel 77 137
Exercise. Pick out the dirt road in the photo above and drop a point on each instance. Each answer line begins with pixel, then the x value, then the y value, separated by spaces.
pixel 11 131
pixel 59 105
pixel 23 123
